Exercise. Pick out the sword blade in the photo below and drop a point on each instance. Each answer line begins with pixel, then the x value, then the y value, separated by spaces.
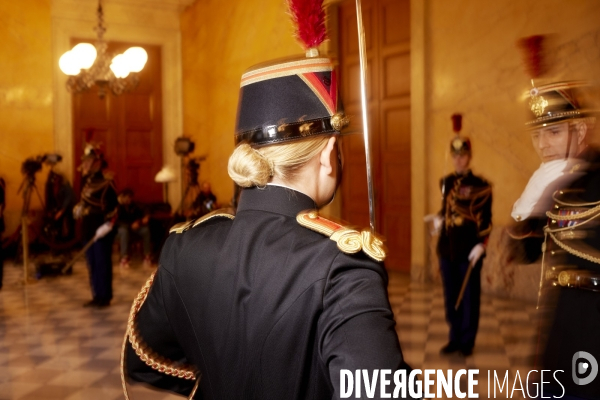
pixel 78 255
pixel 365 121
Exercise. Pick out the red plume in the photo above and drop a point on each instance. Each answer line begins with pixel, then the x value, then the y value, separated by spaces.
pixel 456 122
pixel 309 17
pixel 532 46
pixel 89 135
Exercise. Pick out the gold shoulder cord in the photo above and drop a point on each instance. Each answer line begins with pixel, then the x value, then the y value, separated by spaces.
pixel 184 226
pixel 348 240
pixel 150 358
pixel 143 351
pixel 570 249
pixel 581 215
pixel 477 199
pixel 564 203
pixel 584 217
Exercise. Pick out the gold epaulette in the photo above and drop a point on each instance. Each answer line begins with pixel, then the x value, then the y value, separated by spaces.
pixel 348 240
pixel 184 226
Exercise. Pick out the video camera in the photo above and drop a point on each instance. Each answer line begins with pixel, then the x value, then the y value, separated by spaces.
pixel 184 146
pixel 32 165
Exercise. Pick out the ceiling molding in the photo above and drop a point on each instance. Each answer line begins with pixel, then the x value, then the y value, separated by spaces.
pixel 66 7
pixel 177 5
pixel 151 14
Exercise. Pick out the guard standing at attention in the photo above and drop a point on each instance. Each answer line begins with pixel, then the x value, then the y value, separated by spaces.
pixel 274 302
pixel 97 209
pixel 466 222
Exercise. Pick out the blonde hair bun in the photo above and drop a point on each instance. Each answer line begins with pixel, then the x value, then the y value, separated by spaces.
pixel 255 167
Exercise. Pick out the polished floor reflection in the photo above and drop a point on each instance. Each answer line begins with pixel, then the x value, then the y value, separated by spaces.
pixel 505 344
pixel 53 348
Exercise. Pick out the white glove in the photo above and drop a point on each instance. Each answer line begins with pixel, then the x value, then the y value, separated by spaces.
pixel 476 253
pixel 103 230
pixel 530 201
pixel 437 220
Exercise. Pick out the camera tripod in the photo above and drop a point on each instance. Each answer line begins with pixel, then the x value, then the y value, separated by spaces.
pixel 27 186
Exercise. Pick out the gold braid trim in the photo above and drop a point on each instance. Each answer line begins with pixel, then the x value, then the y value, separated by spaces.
pixel 224 212
pixel 564 203
pixel 348 240
pixel 571 250
pixel 478 196
pixel 149 357
pixel 572 217
pixel 184 226
pixel 91 188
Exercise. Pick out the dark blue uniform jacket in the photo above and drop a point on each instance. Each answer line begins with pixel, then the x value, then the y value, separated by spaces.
pixel 265 308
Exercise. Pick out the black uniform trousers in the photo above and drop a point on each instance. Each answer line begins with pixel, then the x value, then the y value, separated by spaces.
pixel 99 260
pixel 464 321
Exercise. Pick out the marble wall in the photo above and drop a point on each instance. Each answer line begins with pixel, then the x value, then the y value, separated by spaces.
pixel 473 66
pixel 220 40
pixel 26 115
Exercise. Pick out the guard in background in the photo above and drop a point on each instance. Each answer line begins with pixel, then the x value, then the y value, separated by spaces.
pixel 466 222
pixel 97 209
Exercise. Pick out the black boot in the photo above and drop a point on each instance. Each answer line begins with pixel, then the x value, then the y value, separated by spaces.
pixel 450 348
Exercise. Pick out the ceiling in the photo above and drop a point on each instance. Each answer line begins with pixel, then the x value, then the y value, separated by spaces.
pixel 178 5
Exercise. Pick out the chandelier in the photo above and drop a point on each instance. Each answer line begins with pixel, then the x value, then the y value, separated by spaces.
pixel 88 65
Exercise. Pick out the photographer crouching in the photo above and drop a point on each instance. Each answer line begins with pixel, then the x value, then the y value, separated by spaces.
pixel 97 209
pixel 132 220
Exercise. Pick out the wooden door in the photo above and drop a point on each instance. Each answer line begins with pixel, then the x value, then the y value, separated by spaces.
pixel 387 34
pixel 128 127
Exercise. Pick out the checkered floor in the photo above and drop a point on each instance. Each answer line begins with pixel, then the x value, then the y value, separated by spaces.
pixel 506 339
pixel 53 348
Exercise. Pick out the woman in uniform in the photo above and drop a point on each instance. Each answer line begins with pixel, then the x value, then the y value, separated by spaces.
pixel 274 302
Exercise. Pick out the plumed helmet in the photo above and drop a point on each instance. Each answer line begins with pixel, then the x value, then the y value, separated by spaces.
pixel 93 152
pixel 460 145
pixel 557 102
pixel 291 99
pixel 288 100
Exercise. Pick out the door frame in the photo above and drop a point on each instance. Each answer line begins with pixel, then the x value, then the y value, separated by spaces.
pixel 419 131
pixel 125 23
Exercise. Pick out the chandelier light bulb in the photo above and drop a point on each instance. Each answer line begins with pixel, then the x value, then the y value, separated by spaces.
pixel 85 54
pixel 88 65
pixel 136 58
pixel 68 64
pixel 119 66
